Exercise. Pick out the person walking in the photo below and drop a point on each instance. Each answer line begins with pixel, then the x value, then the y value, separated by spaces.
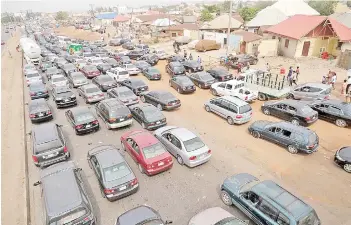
pixel 344 91
pixel 333 80
pixel 290 75
pixel 297 71
pixel 199 59
pixel 190 56
pixel 185 54
pixel 294 78
pixel 268 68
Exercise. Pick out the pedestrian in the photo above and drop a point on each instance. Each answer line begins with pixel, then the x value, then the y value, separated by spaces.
pixel 185 54
pixel 333 80
pixel 17 48
pixel 297 71
pixel 294 78
pixel 190 56
pixel 108 35
pixel 199 59
pixel 290 75
pixel 139 42
pixel 344 91
pixel 268 67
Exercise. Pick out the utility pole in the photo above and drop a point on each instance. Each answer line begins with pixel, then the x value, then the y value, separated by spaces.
pixel 92 13
pixel 229 24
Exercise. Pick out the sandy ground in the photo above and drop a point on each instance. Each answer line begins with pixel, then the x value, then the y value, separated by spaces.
pixel 13 202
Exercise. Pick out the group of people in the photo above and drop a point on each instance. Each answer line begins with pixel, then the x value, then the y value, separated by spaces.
pixel 293 75
pixel 191 57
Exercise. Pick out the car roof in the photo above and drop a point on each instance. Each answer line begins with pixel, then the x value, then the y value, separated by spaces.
pixel 144 138
pixel 335 102
pixel 62 88
pixel 109 157
pixel 118 69
pixel 291 102
pixel 234 82
pixel 39 101
pixel 137 215
pixel 80 110
pixel 89 86
pixel 291 126
pixel 282 197
pixel 113 103
pixel 183 134
pixel 176 63
pixel 319 85
pixel 235 100
pixel 121 88
pixel 45 133
pixel 60 188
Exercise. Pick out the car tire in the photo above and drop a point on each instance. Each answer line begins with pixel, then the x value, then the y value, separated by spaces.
pixel 266 111
pixel 207 108
pixel 200 86
pixel 290 96
pixel 347 167
pixel 295 122
pixel 226 199
pixel 255 134
pixel 340 123
pixel 68 156
pixel 180 160
pixel 262 97
pixel 159 106
pixel 143 125
pixel 141 169
pixel 142 98
pixel 292 149
pixel 230 120
pixel 178 90
pixel 214 92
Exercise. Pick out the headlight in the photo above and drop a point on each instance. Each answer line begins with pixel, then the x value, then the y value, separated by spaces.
pixel 58 99
pixel 72 96
pixel 338 157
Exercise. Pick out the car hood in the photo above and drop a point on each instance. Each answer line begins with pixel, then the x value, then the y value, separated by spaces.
pixel 236 182
pixel 259 124
pixel 109 83
pixel 39 109
pixel 209 216
pixel 65 95
pixel 80 80
pixel 128 98
pixel 345 153
pixel 119 181
pixel 93 94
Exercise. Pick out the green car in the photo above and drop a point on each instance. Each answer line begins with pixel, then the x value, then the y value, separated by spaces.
pixel 152 73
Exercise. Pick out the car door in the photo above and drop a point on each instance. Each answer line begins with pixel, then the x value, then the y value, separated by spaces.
pixel 97 170
pixel 104 112
pixel 172 82
pixel 53 94
pixel 166 139
pixel 214 105
pixel 280 110
pixel 285 137
pixel 223 108
pixel 153 99
pixel 267 213
pixel 270 133
pixel 221 89
pixel 334 113
pixel 246 202
pixel 136 152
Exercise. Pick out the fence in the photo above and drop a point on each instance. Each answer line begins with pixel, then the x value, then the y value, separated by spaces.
pixel 261 78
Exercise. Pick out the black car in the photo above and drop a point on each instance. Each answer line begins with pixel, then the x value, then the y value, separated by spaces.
pixel 182 84
pixel 192 66
pixel 124 60
pixel 38 90
pixel 202 79
pixel 48 144
pixel 175 58
pixel 69 68
pixel 82 120
pixel 70 58
pixel 136 85
pixel 63 97
pixel 152 59
pixel 116 178
pixel 294 138
pixel 128 46
pixel 343 158
pixel 296 112
pixel 220 74
pixel 104 82
pixel 148 116
pixel 39 111
pixel 142 65
pixel 161 99
pixel 104 67
pixel 110 61
pixel 59 62
pixel 141 215
pixel 334 111
pixel 143 47
pixel 135 54
pixel 175 69
pixel 64 195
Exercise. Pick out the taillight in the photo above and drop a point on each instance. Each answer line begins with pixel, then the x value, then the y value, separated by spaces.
pixel 49 112
pixel 310 146
pixel 222 78
pixel 79 126
pixel 130 116
pixel 209 151
pixel 308 118
pixel 32 94
pixel 134 182
pixel 35 159
pixel 326 97
pixel 95 122
pixel 65 149
pixel 192 157
pixel 32 116
pixel 239 116
pixel 246 97
pixel 108 191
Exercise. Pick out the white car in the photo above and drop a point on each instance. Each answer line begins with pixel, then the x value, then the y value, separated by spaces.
pixel 58 81
pixel 95 61
pixel 132 69
pixel 192 44
pixel 234 88
pixel 33 76
pixel 161 54
pixel 29 67
pixel 118 74
pixel 88 55
pixel 79 63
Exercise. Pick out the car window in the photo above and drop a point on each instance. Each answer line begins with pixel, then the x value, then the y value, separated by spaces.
pixel 245 108
pixel 136 148
pixel 282 219
pixel 193 144
pixel 268 210
pixel 68 218
pixel 275 129
pixel 116 172
pixel 225 105
pixel 335 110
pixel 281 106
pixel 286 133
pixel 92 90
pixel 291 109
pixel 152 114
pixel 153 151
pixel 221 85
pixel 58 79
pixel 233 108
pixel 310 219
pixel 229 86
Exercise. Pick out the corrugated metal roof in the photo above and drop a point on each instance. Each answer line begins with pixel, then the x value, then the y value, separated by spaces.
pixel 106 16
pixel 344 18
pixel 248 36
pixel 121 18
pixel 221 22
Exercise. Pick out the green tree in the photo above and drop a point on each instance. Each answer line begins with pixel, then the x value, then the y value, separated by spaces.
pixel 188 12
pixel 248 13
pixel 225 6
pixel 61 16
pixel 212 8
pixel 206 15
pixel 325 8
pixel 263 4
pixel 348 3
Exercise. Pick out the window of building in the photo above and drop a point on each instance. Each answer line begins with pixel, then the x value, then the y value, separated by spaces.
pixel 286 43
pixel 338 47
pixel 273 37
pixel 174 34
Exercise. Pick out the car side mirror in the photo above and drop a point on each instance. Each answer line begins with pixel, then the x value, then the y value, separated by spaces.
pixel 36 183
pixel 168 222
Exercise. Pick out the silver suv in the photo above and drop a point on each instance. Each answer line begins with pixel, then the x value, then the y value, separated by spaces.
pixel 235 110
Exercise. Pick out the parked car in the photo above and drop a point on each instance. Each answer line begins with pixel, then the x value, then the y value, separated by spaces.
pixel 63 97
pixel 143 47
pixel 136 85
pixel 58 81
pixel 149 154
pixel 70 58
pixel 141 215
pixel 114 113
pixel 90 71
pixel 48 145
pixel 247 59
pixel 29 67
pixel 148 116
pixel 45 65
pixel 125 40
pixel 192 66
pixel 74 205
pixel 234 110
pixel 100 43
pixel 207 45
pixel 95 61
pixel 152 59
pixel 220 74
pixel 202 79
pixel 296 112
pixel 294 138
pixel 175 69
pixel 161 54
pixel 142 65
pixel 38 90
pixel 77 79
pixel 334 111
pixel 104 67
pixel 33 76
pixel 161 99
pixel 235 88
pixel 110 61
pixel 343 158
pixel 114 42
pixel 182 84
pixel 184 145
pixel 131 68
pixel 152 73
pixel 128 46
pixel 215 216
pixel 88 55
pixel 104 82
pixel 90 93
pixel 124 95
pixel 116 178
pixel 39 111
pixel 311 91
pixel 175 58
pixel 264 201
pixel 79 63
pixel 82 120
pixel 59 62
pixel 118 74
pixel 124 60
pixel 69 68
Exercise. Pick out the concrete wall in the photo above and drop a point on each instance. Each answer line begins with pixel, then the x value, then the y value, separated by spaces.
pixel 268 47
pixel 290 51
pixel 251 46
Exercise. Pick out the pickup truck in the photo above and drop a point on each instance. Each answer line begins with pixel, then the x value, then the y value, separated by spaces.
pixel 234 88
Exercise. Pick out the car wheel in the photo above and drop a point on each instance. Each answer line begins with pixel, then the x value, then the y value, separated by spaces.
pixel 214 92
pixel 170 84
pixel 226 198
pixel 207 108
pixel 290 96
pixel 230 120
pixel 159 106
pixel 255 134
pixel 180 160
pixel 142 98
pixel 141 169
pixel 340 123
pixel 266 111
pixel 178 90
pixel 123 147
pixel 143 125
pixel 262 97
pixel 200 86
pixel 292 149
pixel 68 156
pixel 347 167
pixel 295 122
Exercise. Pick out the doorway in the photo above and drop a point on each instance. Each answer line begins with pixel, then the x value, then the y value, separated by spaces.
pixel 243 47
pixel 306 48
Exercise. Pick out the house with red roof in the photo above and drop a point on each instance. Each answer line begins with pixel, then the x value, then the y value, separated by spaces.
pixel 120 19
pixel 308 35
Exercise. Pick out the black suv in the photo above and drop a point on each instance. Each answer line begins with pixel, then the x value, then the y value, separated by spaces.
pixel 63 97
pixel 175 69
pixel 49 145
pixel 68 202
pixel 39 110
pixel 136 85
pixel 152 59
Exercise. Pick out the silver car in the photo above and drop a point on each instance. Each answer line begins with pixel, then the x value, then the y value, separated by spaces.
pixel 91 93
pixel 183 144
pixel 77 79
pixel 234 110
pixel 123 94
pixel 132 69
pixel 216 216
pixel 33 76
pixel 29 67
pixel 161 54
pixel 310 91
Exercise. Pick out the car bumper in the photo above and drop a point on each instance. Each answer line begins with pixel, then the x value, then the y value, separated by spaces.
pixel 151 172
pixel 120 124
pixel 188 91
pixel 199 162
pixel 129 103
pixel 96 99
pixel 134 72
pixel 242 121
pixel 79 84
pixel 167 107
pixel 310 151
pixel 88 130
pixel 311 121
pixel 92 75
pixel 339 161
pixel 114 197
pixel 39 96
pixel 53 160
pixel 42 119
pixel 154 127
pixel 66 104
pixel 154 78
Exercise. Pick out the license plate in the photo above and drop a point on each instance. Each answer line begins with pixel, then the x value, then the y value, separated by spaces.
pixel 121 119
pixel 123 188
pixel 88 126
pixel 41 114
pixel 158 122
pixel 66 100
pixel 50 155
pixel 161 163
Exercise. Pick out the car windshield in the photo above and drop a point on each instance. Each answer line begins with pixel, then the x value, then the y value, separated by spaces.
pixel 306 110
pixel 310 219
pixel 78 76
pixel 153 222
pixel 71 216
pixel 205 76
pixel 154 70
pixel 111 61
pixel 137 83
pixel 166 95
pixel 116 172
pixel 36 87
pixel 152 114
pixel 125 93
pixel 185 81
pixel 153 151
pixel 31 75
pixel 58 79
pixel 105 78
pixel 130 66
pixel 120 112
pixel 245 109
pixel 193 144
pixel 84 117
pixel 179 69
pixel 92 90
pixel 90 68
pixel 63 90
pixel 125 58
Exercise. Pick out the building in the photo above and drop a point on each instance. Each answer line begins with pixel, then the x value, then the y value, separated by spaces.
pixel 122 9
pixel 121 20
pixel 249 41
pixel 106 18
pixel 178 30
pixel 303 35
pixel 278 12
pixel 344 18
pixel 189 19
pixel 220 24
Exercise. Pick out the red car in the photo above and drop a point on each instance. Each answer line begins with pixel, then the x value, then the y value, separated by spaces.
pixel 90 71
pixel 146 150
